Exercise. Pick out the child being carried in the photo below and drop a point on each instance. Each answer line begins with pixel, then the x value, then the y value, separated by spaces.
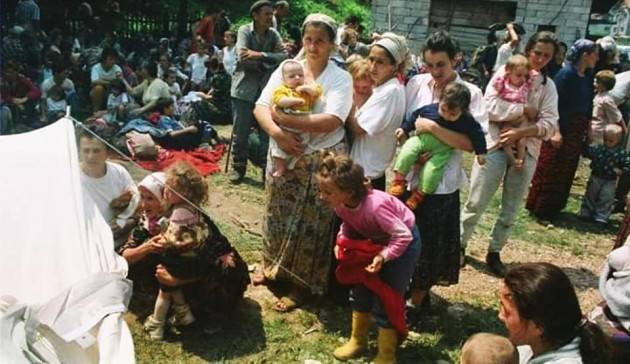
pixel 514 87
pixel 55 104
pixel 184 238
pixel 294 97
pixel 452 113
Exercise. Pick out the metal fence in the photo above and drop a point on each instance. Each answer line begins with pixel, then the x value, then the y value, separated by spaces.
pixel 128 25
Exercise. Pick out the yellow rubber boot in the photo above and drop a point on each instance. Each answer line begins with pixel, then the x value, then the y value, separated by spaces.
pixel 358 339
pixel 387 343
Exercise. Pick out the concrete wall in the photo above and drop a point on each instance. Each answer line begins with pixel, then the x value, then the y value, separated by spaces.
pixel 411 18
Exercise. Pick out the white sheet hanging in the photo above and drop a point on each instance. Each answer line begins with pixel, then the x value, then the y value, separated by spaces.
pixel 52 233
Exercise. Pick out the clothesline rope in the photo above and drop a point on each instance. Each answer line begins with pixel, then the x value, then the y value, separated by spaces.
pixel 195 206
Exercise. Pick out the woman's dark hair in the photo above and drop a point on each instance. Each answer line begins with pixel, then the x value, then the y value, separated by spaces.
pixel 344 173
pixel 151 68
pixel 544 295
pixel 441 41
pixel 543 37
pixel 491 38
pixel 162 103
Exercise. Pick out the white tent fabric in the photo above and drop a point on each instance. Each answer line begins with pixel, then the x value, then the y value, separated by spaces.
pixel 57 252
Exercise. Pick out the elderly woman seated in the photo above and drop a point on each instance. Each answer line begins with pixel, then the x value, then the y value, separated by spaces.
pixel 613 314
pixel 221 289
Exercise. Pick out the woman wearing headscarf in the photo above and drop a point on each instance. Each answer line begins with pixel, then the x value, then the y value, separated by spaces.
pixel 608 55
pixel 221 289
pixel 150 90
pixel 374 123
pixel 142 248
pixel 297 226
pixel 559 157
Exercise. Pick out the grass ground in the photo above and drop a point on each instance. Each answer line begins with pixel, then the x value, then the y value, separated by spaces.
pixel 257 334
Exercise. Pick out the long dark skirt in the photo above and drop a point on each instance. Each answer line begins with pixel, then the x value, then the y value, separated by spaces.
pixel 438 221
pixel 555 171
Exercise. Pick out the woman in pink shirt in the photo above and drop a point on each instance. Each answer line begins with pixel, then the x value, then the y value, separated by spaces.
pixel 384 223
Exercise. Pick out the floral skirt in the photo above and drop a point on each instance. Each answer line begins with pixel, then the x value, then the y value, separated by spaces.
pixel 298 226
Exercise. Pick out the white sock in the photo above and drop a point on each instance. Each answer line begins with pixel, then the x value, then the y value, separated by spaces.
pixel 162 303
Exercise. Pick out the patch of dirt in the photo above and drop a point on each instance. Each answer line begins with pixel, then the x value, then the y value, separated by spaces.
pixel 232 209
pixel 476 283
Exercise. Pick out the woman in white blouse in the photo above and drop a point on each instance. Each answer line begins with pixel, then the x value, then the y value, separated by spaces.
pixel 297 225
pixel 374 123
pixel 541 114
pixel 438 217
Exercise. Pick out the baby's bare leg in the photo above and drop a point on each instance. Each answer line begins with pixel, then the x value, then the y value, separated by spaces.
pixel 279 166
pixel 509 151
pixel 521 149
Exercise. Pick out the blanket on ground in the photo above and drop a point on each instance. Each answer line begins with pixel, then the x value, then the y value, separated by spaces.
pixel 205 161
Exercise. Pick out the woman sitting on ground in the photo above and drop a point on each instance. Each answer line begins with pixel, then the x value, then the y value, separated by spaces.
pixel 215 106
pixel 541 312
pixel 150 90
pixel 222 289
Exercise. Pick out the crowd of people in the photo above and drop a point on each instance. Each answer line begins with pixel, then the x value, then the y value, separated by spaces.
pixel 326 114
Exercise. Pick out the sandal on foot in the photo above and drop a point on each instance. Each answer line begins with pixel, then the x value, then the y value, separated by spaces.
pixel 286 304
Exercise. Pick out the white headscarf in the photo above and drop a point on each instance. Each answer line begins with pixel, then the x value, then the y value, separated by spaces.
pixel 321 18
pixel 154 182
pixel 396 46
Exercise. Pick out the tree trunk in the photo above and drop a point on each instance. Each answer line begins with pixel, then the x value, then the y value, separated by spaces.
pixel 182 19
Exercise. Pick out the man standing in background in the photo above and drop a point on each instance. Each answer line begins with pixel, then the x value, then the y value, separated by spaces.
pixel 259 51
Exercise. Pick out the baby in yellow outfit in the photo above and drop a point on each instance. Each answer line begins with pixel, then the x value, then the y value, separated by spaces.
pixel 293 97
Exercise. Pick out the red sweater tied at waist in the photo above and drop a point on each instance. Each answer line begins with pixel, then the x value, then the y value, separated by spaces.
pixel 354 256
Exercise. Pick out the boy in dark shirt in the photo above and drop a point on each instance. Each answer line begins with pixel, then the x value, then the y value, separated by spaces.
pixel 452 113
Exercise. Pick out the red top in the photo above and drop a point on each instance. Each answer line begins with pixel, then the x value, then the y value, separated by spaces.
pixel 22 87
pixel 206 29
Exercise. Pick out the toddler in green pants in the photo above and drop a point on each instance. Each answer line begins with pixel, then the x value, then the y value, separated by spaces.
pixel 452 113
